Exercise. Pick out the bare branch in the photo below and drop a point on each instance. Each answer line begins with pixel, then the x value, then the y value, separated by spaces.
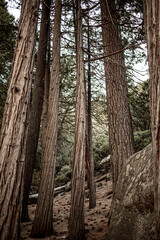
pixel 111 54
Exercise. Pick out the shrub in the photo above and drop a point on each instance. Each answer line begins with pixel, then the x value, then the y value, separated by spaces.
pixel 63 176
pixel 142 139
pixel 65 168
pixel 100 147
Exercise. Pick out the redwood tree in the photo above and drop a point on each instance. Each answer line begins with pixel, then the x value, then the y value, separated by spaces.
pixel 76 219
pixel 152 25
pixel 45 99
pixel 36 108
pixel 119 118
pixel 14 126
pixel 43 222
pixel 92 186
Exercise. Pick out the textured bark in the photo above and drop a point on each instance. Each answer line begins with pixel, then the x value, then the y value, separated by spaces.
pixel 45 101
pixel 76 220
pixel 119 118
pixel 14 128
pixel 152 24
pixel 92 186
pixel 43 222
pixel 65 188
pixel 36 108
pixel 132 215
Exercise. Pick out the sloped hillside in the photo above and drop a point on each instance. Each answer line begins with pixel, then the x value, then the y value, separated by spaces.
pixel 96 220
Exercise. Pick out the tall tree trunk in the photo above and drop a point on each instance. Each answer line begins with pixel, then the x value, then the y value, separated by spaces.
pixel 45 100
pixel 13 138
pixel 43 222
pixel 119 118
pixel 36 108
pixel 92 187
pixel 152 24
pixel 76 221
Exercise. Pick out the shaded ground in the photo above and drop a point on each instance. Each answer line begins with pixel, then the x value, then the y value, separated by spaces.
pixel 96 220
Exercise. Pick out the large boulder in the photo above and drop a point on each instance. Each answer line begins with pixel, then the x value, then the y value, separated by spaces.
pixel 132 211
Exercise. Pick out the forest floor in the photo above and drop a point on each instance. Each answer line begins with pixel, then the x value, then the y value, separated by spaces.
pixel 96 220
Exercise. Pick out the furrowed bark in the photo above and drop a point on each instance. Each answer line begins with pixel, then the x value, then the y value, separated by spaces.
pixel 152 25
pixel 119 119
pixel 45 101
pixel 76 220
pixel 36 108
pixel 92 186
pixel 43 222
pixel 14 127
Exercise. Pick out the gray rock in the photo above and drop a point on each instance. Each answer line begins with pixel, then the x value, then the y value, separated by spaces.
pixel 132 215
pixel 105 160
pixel 105 164
pixel 68 187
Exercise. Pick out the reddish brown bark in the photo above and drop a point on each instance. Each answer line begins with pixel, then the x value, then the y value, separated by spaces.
pixel 14 128
pixel 36 108
pixel 76 220
pixel 92 187
pixel 45 101
pixel 119 118
pixel 152 25
pixel 43 222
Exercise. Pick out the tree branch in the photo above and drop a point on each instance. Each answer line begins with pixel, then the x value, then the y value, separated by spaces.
pixel 111 54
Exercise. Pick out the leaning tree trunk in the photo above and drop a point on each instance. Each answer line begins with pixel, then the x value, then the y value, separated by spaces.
pixel 43 222
pixel 119 118
pixel 76 220
pixel 152 25
pixel 36 109
pixel 13 138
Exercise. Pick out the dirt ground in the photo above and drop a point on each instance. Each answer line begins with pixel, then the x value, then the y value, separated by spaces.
pixel 96 220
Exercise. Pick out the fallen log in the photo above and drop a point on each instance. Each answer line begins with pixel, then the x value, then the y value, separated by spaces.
pixel 65 188
pixel 107 176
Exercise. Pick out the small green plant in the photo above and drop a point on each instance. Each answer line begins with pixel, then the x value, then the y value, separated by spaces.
pixel 142 139
pixel 100 147
pixel 63 176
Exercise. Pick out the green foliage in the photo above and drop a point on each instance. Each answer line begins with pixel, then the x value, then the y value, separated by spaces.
pixel 65 168
pixel 68 174
pixel 131 25
pixel 100 147
pixel 64 176
pixel 139 104
pixel 61 180
pixel 142 139
pixel 3 92
pixel 101 144
pixel 7 42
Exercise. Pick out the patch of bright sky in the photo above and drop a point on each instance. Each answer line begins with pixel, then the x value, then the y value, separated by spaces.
pixel 13 9
pixel 140 68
